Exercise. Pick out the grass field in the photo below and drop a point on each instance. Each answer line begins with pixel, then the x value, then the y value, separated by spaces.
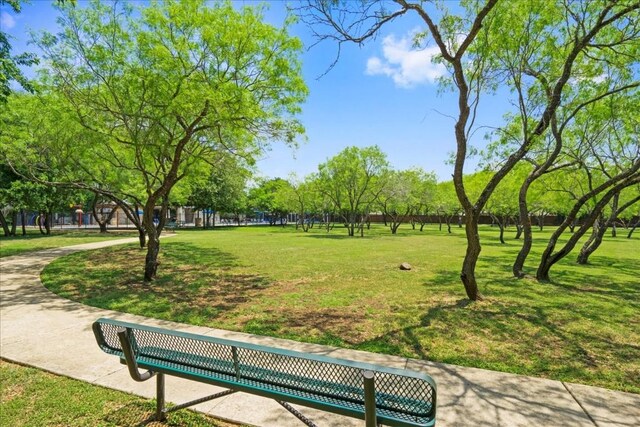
pixel 33 398
pixel 34 240
pixel 330 289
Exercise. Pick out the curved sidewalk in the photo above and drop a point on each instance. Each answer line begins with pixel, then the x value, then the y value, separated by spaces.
pixel 41 329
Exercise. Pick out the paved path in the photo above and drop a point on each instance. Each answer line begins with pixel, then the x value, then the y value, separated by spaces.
pixel 40 329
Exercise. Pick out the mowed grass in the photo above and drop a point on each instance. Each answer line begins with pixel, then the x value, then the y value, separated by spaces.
pixel 33 398
pixel 324 288
pixel 35 241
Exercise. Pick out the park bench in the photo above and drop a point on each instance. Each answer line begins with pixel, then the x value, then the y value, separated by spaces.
pixel 377 394
pixel 172 225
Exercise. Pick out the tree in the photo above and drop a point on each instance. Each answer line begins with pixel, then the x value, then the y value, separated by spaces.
pixel 400 196
pixel 273 198
pixel 502 206
pixel 174 84
pixel 9 64
pixel 597 55
pixel 304 201
pixel 601 223
pixel 477 47
pixel 222 190
pixel 609 160
pixel 425 203
pixel 446 204
pixel 352 180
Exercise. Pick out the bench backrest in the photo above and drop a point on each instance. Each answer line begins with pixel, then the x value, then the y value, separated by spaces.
pixel 400 394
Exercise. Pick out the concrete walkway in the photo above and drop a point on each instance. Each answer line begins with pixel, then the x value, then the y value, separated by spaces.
pixel 40 329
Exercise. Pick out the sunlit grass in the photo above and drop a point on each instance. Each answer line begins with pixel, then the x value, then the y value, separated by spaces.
pixel 35 241
pixel 349 292
pixel 33 398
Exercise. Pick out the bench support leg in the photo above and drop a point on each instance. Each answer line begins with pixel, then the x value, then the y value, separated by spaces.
pixel 160 412
pixel 297 414
pixel 201 400
pixel 369 399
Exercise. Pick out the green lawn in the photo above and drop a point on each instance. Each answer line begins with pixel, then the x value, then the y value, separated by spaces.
pixel 33 398
pixel 330 289
pixel 35 241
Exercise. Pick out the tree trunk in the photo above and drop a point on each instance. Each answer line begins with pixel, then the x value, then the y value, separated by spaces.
pixel 525 223
pixel 40 223
pixel 14 222
pixel 468 275
pixel 500 223
pixel 600 227
pixel 518 230
pixel 47 222
pixel 131 212
pixel 23 220
pixel 633 228
pixel 7 232
pixel 142 238
pixel 394 227
pixel 94 212
pixel 100 219
pixel 151 260
pixel 153 243
pixel 549 258
pixel 594 241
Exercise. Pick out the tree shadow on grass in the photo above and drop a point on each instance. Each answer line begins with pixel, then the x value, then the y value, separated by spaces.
pixel 188 254
pixel 141 414
pixel 555 334
pixel 193 285
pixel 580 278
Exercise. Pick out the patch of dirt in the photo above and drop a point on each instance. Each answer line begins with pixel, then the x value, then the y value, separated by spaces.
pixel 11 392
pixel 348 323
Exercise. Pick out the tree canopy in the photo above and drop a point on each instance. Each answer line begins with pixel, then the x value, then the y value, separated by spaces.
pixel 167 85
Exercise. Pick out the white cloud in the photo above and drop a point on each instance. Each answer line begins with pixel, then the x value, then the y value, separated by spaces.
pixel 6 21
pixel 406 66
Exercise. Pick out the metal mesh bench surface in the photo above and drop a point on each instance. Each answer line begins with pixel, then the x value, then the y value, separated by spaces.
pixel 402 398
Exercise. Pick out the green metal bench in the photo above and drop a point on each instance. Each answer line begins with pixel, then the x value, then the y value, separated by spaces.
pixel 172 225
pixel 377 394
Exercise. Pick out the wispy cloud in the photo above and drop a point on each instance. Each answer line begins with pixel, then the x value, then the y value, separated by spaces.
pixel 6 21
pixel 407 67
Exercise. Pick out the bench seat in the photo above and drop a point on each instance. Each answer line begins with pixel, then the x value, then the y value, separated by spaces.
pixel 402 398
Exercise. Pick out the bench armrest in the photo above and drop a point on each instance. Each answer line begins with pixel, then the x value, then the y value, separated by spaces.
pixel 126 338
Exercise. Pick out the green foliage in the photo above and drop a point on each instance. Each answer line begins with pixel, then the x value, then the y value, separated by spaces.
pixel 223 191
pixel 445 201
pixel 352 181
pixel 403 194
pixel 273 198
pixel 10 64
pixel 147 93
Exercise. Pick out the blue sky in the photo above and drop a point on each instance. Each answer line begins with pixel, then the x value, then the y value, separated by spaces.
pixel 382 93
